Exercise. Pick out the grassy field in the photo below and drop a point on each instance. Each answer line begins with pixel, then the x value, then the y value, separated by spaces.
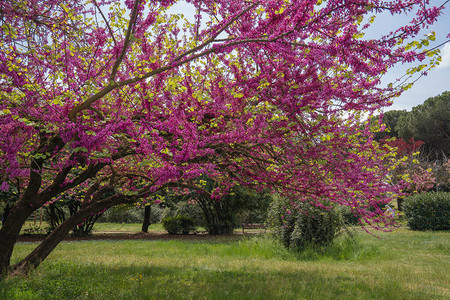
pixel 118 227
pixel 398 265
pixel 31 227
pixel 40 227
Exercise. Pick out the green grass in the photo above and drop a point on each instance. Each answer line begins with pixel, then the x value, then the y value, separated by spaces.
pixel 105 227
pixel 399 265
pixel 40 227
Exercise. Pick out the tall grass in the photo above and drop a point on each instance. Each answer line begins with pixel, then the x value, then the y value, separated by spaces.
pixel 398 265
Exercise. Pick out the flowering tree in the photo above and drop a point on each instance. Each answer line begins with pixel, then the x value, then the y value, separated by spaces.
pixel 123 99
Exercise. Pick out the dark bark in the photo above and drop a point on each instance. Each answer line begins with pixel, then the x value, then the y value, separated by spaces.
pixel 146 224
pixel 42 251
pixel 216 216
pixel 400 203
pixel 9 234
pixel 6 212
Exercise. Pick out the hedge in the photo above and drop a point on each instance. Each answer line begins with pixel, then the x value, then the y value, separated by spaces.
pixel 428 211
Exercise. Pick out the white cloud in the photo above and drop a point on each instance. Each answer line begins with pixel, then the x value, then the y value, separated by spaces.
pixel 445 53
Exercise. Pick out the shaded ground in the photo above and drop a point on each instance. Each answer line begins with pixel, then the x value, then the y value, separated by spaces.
pixel 138 236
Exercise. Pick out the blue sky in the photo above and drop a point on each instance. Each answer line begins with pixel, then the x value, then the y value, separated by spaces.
pixel 437 80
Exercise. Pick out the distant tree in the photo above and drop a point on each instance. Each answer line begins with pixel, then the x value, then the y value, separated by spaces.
pixel 222 215
pixel 429 122
pixel 146 223
pixel 390 119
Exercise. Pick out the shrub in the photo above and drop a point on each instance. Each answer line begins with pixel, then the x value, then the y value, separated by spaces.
pixel 191 210
pixel 303 225
pixel 348 217
pixel 429 211
pixel 156 214
pixel 66 205
pixel 178 225
pixel 122 214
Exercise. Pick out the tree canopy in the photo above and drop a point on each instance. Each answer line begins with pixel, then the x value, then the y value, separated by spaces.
pixel 122 99
pixel 429 122
pixel 390 120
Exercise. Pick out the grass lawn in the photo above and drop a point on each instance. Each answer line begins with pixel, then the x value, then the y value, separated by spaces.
pixel 118 227
pixel 399 265
pixel 40 227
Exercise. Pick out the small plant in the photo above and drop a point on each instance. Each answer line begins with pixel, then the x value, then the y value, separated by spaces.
pixel 429 211
pixel 178 225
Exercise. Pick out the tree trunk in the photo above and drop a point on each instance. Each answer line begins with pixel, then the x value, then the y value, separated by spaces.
pixel 41 252
pixel 6 212
pixel 147 222
pixel 9 233
pixel 400 203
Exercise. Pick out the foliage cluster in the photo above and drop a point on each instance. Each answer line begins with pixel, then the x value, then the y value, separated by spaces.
pixel 178 225
pixel 428 211
pixel 414 170
pixel 421 139
pixel 429 122
pixel 303 225
pixel 175 206
pixel 220 216
pixel 348 216
pixel 122 214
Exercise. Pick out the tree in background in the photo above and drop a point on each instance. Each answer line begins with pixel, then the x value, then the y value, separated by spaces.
pixel 429 122
pixel 123 104
pixel 421 139
pixel 390 120
pixel 221 215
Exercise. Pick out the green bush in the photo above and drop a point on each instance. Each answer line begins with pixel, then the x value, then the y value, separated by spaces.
pixel 122 214
pixel 191 210
pixel 178 225
pixel 348 217
pixel 429 211
pixel 304 225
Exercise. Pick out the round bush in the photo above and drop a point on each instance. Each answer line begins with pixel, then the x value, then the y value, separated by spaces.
pixel 428 211
pixel 303 225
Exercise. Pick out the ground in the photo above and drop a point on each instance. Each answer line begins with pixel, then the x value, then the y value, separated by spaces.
pixel 135 236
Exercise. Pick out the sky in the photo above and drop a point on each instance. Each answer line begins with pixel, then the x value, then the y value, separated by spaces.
pixel 437 80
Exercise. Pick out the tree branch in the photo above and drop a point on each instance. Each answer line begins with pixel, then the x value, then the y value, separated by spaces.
pixel 127 40
pixel 106 22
